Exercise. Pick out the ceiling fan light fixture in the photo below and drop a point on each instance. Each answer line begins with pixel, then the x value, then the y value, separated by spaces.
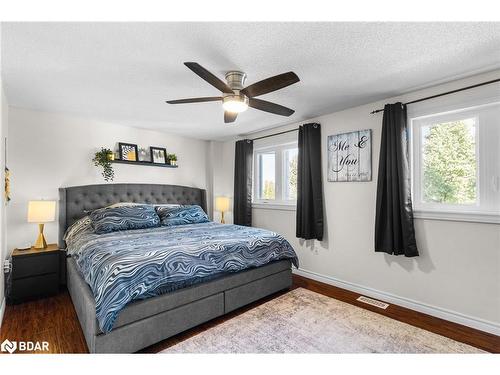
pixel 235 103
pixel 236 98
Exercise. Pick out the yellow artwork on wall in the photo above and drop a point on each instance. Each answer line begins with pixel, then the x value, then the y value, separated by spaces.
pixel 7 185
pixel 131 155
pixel 128 151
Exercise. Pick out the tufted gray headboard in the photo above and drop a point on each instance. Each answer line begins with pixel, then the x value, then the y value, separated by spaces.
pixel 75 201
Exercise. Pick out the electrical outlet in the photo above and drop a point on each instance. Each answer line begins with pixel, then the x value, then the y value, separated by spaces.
pixel 7 266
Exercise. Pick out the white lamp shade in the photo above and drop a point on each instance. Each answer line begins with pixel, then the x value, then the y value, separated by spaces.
pixel 222 204
pixel 41 211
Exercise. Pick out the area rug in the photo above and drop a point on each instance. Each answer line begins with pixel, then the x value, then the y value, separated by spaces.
pixel 302 321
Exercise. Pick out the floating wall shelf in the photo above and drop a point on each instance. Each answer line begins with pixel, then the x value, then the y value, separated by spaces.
pixel 147 163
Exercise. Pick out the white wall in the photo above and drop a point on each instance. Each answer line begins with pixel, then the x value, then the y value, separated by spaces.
pixel 223 166
pixel 456 276
pixel 47 151
pixel 3 241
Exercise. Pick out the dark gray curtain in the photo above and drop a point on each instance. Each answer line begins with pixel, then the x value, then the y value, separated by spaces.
pixel 394 230
pixel 309 184
pixel 243 162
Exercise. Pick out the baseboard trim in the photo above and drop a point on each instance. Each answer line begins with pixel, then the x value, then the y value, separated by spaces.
pixel 2 311
pixel 452 316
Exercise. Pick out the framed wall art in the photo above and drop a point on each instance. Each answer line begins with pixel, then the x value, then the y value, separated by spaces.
pixel 128 151
pixel 350 156
pixel 158 155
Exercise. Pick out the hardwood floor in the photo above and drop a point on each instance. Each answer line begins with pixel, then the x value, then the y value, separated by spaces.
pixel 54 320
pixel 50 319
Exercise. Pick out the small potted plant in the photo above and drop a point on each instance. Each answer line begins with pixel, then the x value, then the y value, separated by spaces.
pixel 103 159
pixel 172 159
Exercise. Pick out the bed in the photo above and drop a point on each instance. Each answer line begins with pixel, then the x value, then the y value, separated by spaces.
pixel 143 322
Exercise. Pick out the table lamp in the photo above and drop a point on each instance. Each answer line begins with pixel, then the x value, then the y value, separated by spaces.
pixel 222 205
pixel 41 212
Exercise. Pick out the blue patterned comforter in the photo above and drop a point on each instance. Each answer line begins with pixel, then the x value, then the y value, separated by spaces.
pixel 135 264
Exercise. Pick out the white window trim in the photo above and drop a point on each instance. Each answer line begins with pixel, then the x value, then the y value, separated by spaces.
pixel 278 203
pixel 469 217
pixel 465 213
pixel 275 206
pixel 417 165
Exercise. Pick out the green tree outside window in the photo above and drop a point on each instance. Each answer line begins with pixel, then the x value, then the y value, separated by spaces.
pixel 449 163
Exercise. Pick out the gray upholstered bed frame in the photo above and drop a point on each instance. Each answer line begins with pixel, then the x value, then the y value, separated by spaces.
pixel 143 323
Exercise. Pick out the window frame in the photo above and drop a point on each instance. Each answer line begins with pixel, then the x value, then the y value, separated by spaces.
pixel 286 175
pixel 278 202
pixel 258 174
pixel 487 207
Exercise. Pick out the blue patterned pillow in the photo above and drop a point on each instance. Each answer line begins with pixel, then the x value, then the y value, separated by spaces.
pixel 106 220
pixel 181 215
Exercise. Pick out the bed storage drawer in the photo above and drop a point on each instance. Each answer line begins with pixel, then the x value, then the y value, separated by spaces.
pixel 140 334
pixel 245 294
pixel 141 309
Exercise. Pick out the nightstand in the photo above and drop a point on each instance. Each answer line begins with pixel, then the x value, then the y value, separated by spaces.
pixel 35 273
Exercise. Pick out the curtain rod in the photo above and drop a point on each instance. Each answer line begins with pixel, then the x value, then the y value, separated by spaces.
pixel 443 94
pixel 275 134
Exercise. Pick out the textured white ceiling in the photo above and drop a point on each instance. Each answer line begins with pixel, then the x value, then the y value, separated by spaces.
pixel 123 72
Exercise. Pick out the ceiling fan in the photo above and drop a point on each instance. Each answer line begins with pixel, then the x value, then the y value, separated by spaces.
pixel 236 98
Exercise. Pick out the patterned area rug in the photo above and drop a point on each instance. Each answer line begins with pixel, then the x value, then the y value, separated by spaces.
pixel 302 321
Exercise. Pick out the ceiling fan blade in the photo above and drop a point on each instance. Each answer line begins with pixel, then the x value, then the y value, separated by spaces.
pixel 209 77
pixel 230 116
pixel 195 100
pixel 271 84
pixel 270 107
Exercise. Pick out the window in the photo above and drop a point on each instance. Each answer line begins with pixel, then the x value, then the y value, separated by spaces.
pixel 455 164
pixel 275 174
pixel 291 159
pixel 449 162
pixel 267 175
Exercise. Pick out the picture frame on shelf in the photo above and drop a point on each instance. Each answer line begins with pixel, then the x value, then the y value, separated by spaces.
pixel 144 155
pixel 128 151
pixel 158 155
